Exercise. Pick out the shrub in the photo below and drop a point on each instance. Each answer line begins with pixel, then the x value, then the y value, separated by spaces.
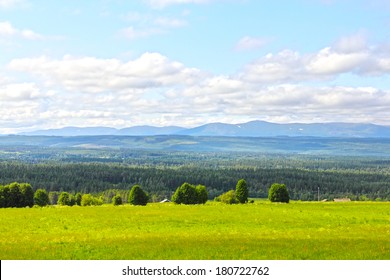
pixel 41 198
pixel 278 193
pixel 117 200
pixel 64 199
pixel 137 196
pixel 89 200
pixel 53 197
pixel 202 194
pixel 242 191
pixel 185 194
pixel 77 199
pixel 228 197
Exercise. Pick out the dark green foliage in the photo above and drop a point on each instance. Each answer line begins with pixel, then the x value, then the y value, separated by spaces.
pixel 117 200
pixel 228 197
pixel 242 191
pixel 96 171
pixel 64 199
pixel 27 195
pixel 15 195
pixel 77 199
pixel 5 196
pixel 137 196
pixel 278 193
pixel 185 194
pixel 41 198
pixel 202 194
pixel 2 198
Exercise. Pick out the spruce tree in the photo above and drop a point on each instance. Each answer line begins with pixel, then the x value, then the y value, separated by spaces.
pixel 242 191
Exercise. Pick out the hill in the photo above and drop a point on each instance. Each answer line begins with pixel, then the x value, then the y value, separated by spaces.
pixel 249 129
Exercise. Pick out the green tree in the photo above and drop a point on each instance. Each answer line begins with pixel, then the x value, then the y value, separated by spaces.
pixel 117 200
pixel 15 196
pixel 202 194
pixel 137 196
pixel 185 194
pixel 77 198
pixel 228 197
pixel 86 200
pixel 53 197
pixel 27 195
pixel 41 198
pixel 278 193
pixel 242 191
pixel 64 199
pixel 2 198
pixel 6 196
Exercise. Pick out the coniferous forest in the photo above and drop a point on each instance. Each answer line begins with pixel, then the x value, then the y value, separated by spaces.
pixel 107 172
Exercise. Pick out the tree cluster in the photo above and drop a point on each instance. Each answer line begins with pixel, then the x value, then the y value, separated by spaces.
pixel 16 195
pixel 239 195
pixel 190 194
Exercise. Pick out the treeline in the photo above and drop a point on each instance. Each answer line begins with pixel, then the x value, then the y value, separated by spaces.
pixel 20 195
pixel 162 181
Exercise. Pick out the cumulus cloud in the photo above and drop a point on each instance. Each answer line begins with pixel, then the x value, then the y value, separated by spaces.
pixel 94 75
pixel 345 57
pixel 153 89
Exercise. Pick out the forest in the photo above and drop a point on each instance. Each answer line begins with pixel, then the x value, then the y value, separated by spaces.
pixel 106 172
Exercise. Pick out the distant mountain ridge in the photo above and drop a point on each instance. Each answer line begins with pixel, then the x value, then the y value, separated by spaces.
pixel 249 129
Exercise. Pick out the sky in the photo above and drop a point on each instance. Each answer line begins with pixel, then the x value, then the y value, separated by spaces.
pixel 124 63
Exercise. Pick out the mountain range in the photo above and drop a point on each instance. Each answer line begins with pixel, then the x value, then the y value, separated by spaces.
pixel 249 129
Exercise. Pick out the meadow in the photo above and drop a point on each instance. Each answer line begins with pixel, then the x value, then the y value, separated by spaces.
pixel 215 231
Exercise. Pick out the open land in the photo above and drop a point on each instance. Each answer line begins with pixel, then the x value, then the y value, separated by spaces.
pixel 262 230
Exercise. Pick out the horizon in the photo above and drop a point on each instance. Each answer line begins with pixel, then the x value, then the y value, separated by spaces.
pixel 193 127
pixel 189 63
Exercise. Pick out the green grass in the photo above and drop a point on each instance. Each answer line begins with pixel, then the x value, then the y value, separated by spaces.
pixel 298 230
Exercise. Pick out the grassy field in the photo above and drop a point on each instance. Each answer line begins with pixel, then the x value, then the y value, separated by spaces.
pixel 298 230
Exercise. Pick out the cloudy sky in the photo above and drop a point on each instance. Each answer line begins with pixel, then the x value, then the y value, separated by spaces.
pixel 188 62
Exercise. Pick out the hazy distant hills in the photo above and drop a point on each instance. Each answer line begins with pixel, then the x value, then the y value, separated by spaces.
pixel 249 129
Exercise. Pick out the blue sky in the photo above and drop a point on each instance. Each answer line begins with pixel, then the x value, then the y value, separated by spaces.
pixel 188 62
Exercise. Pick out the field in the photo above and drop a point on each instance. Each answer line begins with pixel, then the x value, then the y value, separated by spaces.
pixel 298 230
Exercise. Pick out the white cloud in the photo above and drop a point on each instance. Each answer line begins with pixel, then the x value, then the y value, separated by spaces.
pixel 146 25
pixel 21 92
pixel 165 3
pixel 330 62
pixel 169 22
pixel 10 3
pixel 93 75
pixel 132 32
pixel 352 44
pixel 250 43
pixel 7 30
pixel 152 89
pixel 327 63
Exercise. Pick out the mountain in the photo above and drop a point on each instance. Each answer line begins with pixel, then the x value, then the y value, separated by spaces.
pixel 266 129
pixel 249 129
pixel 73 131
pixel 146 130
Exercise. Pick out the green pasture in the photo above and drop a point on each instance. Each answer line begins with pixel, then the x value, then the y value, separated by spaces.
pixel 298 230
